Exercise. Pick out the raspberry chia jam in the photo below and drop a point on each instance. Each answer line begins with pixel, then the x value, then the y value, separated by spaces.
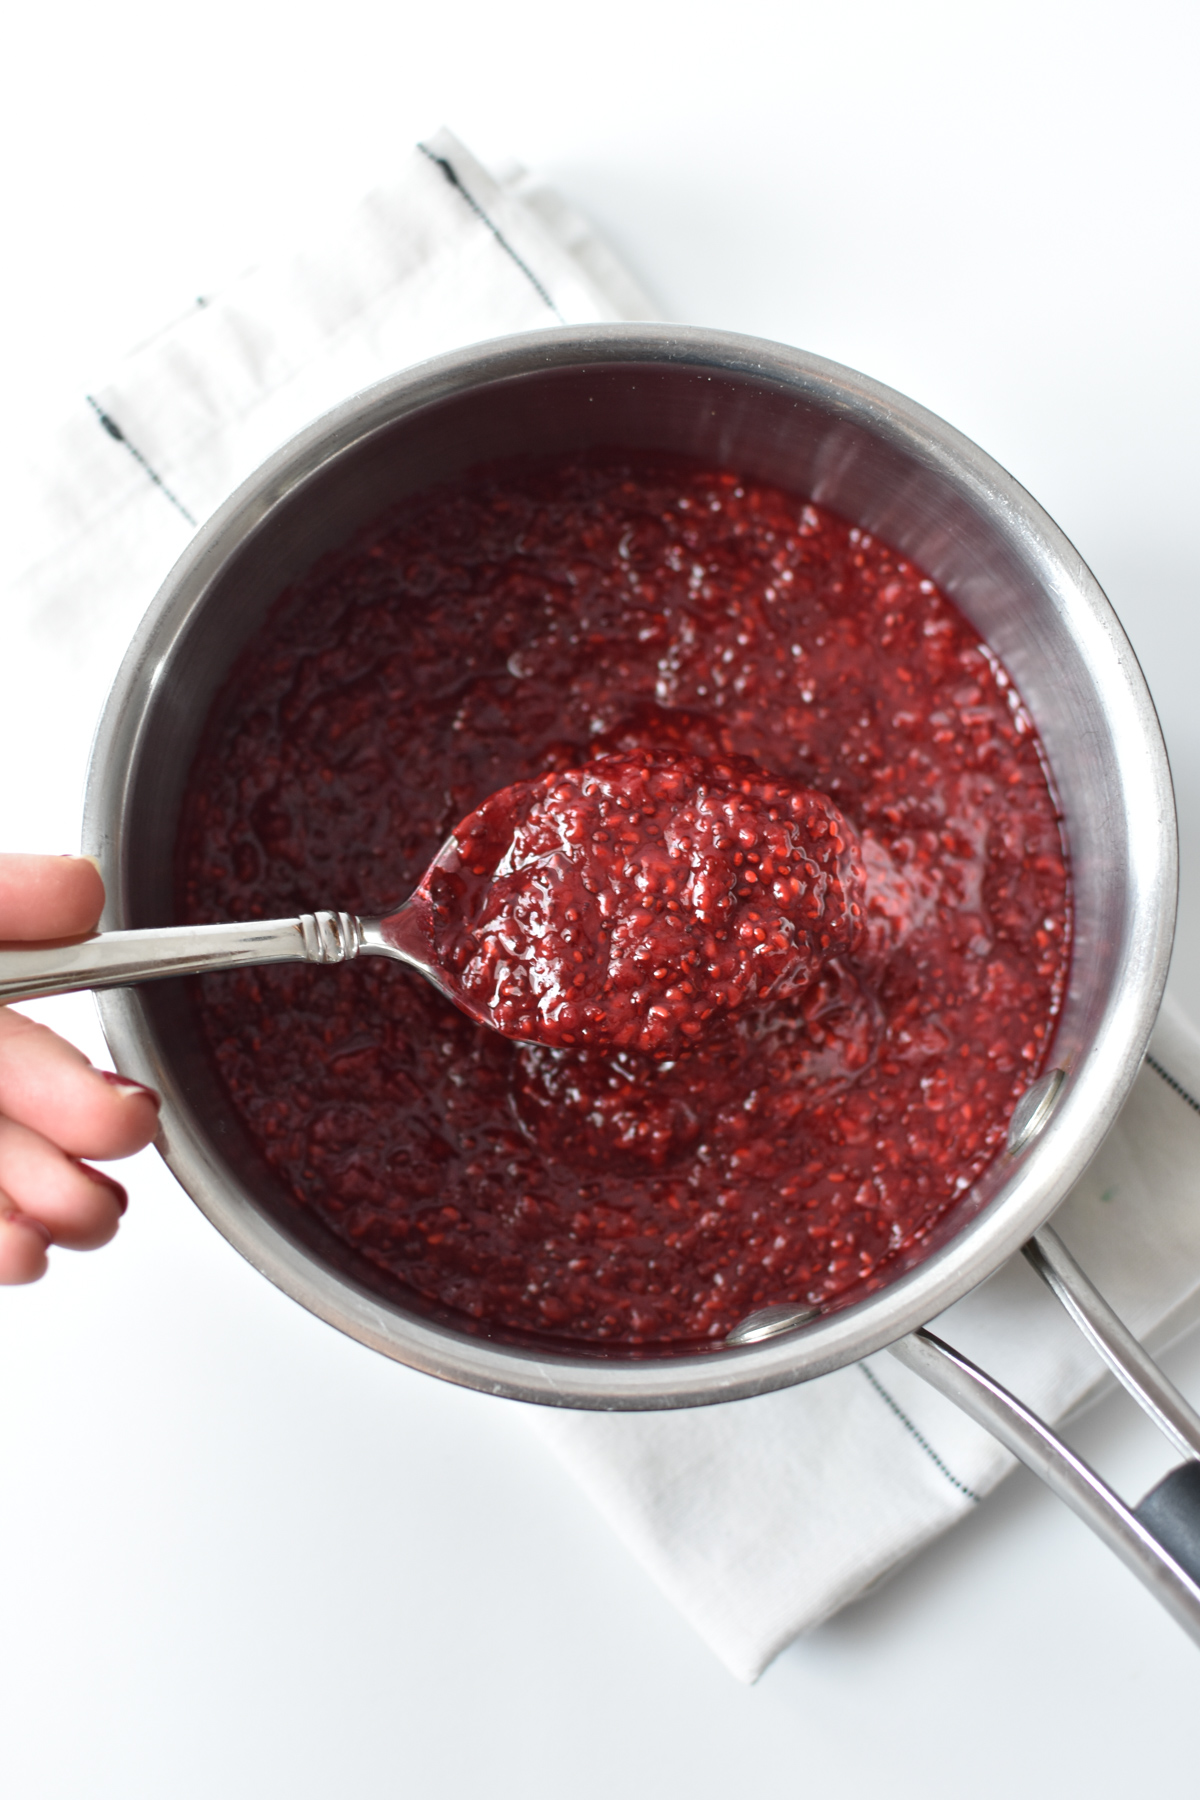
pixel 636 903
pixel 638 1187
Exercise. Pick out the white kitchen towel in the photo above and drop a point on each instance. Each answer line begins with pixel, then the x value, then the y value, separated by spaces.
pixel 758 1519
pixel 103 504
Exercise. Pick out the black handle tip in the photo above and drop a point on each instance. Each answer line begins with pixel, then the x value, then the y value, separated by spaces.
pixel 1171 1513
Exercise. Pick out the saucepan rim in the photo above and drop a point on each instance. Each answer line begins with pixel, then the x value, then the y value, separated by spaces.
pixel 1040 1177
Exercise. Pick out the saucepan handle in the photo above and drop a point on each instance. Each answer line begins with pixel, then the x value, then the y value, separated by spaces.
pixel 1159 1540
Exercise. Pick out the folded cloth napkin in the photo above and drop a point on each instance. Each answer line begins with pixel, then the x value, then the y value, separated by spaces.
pixel 762 1518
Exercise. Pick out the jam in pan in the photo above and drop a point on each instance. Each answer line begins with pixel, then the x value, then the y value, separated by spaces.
pixel 652 1191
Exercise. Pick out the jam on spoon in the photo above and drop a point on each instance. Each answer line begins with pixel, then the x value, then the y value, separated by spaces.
pixel 631 904
pixel 621 906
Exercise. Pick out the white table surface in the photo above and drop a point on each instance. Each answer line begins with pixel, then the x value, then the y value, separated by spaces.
pixel 242 1556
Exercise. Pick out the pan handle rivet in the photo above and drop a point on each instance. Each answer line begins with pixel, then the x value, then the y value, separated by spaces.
pixel 1034 1110
pixel 770 1322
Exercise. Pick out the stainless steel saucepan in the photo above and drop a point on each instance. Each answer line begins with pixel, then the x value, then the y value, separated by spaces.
pixel 883 462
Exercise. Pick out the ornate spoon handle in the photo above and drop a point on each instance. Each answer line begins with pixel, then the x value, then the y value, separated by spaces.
pixel 115 958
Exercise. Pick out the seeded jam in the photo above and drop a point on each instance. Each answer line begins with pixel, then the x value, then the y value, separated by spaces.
pixel 564 626
pixel 636 903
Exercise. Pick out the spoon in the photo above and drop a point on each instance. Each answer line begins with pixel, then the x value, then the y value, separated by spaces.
pixel 622 905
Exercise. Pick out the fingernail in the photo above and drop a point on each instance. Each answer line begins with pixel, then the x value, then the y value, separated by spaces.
pixel 97 1175
pixel 124 1085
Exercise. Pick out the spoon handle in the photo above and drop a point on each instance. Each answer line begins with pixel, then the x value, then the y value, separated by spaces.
pixel 114 958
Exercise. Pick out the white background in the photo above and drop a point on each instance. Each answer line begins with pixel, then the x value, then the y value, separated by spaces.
pixel 242 1556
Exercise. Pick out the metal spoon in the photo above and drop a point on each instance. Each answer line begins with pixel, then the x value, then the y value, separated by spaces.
pixel 528 888
pixel 115 958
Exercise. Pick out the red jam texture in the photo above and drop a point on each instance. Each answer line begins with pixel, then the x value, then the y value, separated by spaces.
pixel 636 903
pixel 527 623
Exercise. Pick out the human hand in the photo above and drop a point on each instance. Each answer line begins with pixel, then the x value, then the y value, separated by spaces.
pixel 54 1106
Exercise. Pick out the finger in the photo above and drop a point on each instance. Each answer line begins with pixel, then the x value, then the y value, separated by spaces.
pixel 79 1207
pixel 45 897
pixel 23 1246
pixel 49 1086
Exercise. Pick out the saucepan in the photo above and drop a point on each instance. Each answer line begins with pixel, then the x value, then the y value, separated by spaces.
pixel 886 464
